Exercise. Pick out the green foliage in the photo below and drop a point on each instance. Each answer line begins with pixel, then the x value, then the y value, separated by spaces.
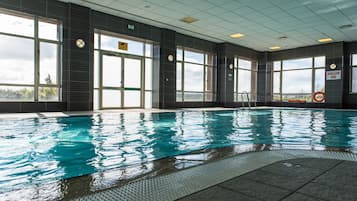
pixel 27 94
pixel 46 93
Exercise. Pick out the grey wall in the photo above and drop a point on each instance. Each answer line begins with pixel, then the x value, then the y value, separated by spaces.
pixel 167 78
pixel 264 78
pixel 78 72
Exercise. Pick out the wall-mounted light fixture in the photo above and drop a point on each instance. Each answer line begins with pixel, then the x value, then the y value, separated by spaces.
pixel 333 66
pixel 170 58
pixel 230 66
pixel 80 43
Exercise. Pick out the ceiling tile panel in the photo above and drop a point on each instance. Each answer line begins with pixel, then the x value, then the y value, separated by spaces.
pixel 262 21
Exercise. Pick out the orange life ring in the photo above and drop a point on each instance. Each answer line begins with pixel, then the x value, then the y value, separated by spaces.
pixel 319 97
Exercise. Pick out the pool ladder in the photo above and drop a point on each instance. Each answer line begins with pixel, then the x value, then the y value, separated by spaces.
pixel 246 94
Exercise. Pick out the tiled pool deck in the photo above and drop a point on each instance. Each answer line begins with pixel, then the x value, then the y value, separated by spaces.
pixel 290 180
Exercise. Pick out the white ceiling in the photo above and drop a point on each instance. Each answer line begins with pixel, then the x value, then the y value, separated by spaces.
pixel 262 21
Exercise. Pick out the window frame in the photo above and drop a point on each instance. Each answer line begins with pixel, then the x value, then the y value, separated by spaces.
pixel 37 41
pixel 351 73
pixel 205 65
pixel 97 48
pixel 281 70
pixel 253 71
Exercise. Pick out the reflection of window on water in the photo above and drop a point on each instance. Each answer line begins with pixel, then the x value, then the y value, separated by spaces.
pixel 18 61
pixel 297 80
pixel 195 76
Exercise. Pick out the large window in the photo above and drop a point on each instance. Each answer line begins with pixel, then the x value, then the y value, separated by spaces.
pixel 195 76
pixel 122 75
pixel 354 74
pixel 298 79
pixel 30 58
pixel 245 80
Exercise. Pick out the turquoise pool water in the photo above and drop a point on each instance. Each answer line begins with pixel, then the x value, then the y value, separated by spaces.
pixel 36 151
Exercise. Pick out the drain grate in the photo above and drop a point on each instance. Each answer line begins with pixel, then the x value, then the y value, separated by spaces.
pixel 185 182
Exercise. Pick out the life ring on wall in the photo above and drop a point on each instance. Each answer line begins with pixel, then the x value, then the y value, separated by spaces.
pixel 319 97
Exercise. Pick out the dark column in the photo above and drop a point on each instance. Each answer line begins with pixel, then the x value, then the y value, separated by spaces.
pixel 225 76
pixel 78 75
pixel 167 70
pixel 264 79
pixel 334 88
pixel 350 99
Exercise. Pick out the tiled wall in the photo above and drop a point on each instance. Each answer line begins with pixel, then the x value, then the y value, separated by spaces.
pixel 78 73
pixel 80 22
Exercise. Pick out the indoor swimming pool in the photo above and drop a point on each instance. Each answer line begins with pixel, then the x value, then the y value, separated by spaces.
pixel 41 150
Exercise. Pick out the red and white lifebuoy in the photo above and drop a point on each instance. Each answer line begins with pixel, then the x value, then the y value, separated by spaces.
pixel 319 97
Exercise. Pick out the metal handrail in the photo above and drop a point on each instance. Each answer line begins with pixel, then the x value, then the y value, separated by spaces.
pixel 246 95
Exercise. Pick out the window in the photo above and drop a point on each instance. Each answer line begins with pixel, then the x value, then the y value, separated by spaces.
pixel 122 77
pixel 354 74
pixel 297 80
pixel 245 79
pixel 195 76
pixel 30 52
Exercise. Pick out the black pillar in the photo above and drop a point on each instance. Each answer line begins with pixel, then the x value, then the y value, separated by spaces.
pixel 225 76
pixel 167 70
pixel 78 75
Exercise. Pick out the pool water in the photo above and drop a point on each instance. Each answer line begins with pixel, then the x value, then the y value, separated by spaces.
pixel 40 150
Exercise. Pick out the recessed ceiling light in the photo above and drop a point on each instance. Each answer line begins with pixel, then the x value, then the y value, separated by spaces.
pixel 188 20
pixel 274 48
pixel 237 35
pixel 325 40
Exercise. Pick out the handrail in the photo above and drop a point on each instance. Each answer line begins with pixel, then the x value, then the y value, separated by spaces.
pixel 246 95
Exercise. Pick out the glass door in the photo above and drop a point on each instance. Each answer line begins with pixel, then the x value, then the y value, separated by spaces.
pixel 132 83
pixel 121 82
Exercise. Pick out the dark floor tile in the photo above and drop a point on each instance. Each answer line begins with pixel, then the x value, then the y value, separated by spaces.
pixel 255 189
pixel 346 168
pixel 217 194
pixel 300 197
pixel 278 180
pixel 334 178
pixel 331 193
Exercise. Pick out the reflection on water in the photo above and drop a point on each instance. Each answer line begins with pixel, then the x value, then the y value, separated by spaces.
pixel 36 151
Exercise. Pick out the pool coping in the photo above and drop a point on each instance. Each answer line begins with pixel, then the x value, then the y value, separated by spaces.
pixel 186 182
pixel 124 111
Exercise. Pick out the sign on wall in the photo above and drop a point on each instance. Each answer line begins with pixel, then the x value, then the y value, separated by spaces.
pixel 122 46
pixel 333 75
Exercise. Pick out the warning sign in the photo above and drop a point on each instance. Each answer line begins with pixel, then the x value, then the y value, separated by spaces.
pixel 122 46
pixel 333 75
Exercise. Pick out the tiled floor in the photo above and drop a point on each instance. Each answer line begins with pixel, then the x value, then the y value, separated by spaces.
pixel 291 180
